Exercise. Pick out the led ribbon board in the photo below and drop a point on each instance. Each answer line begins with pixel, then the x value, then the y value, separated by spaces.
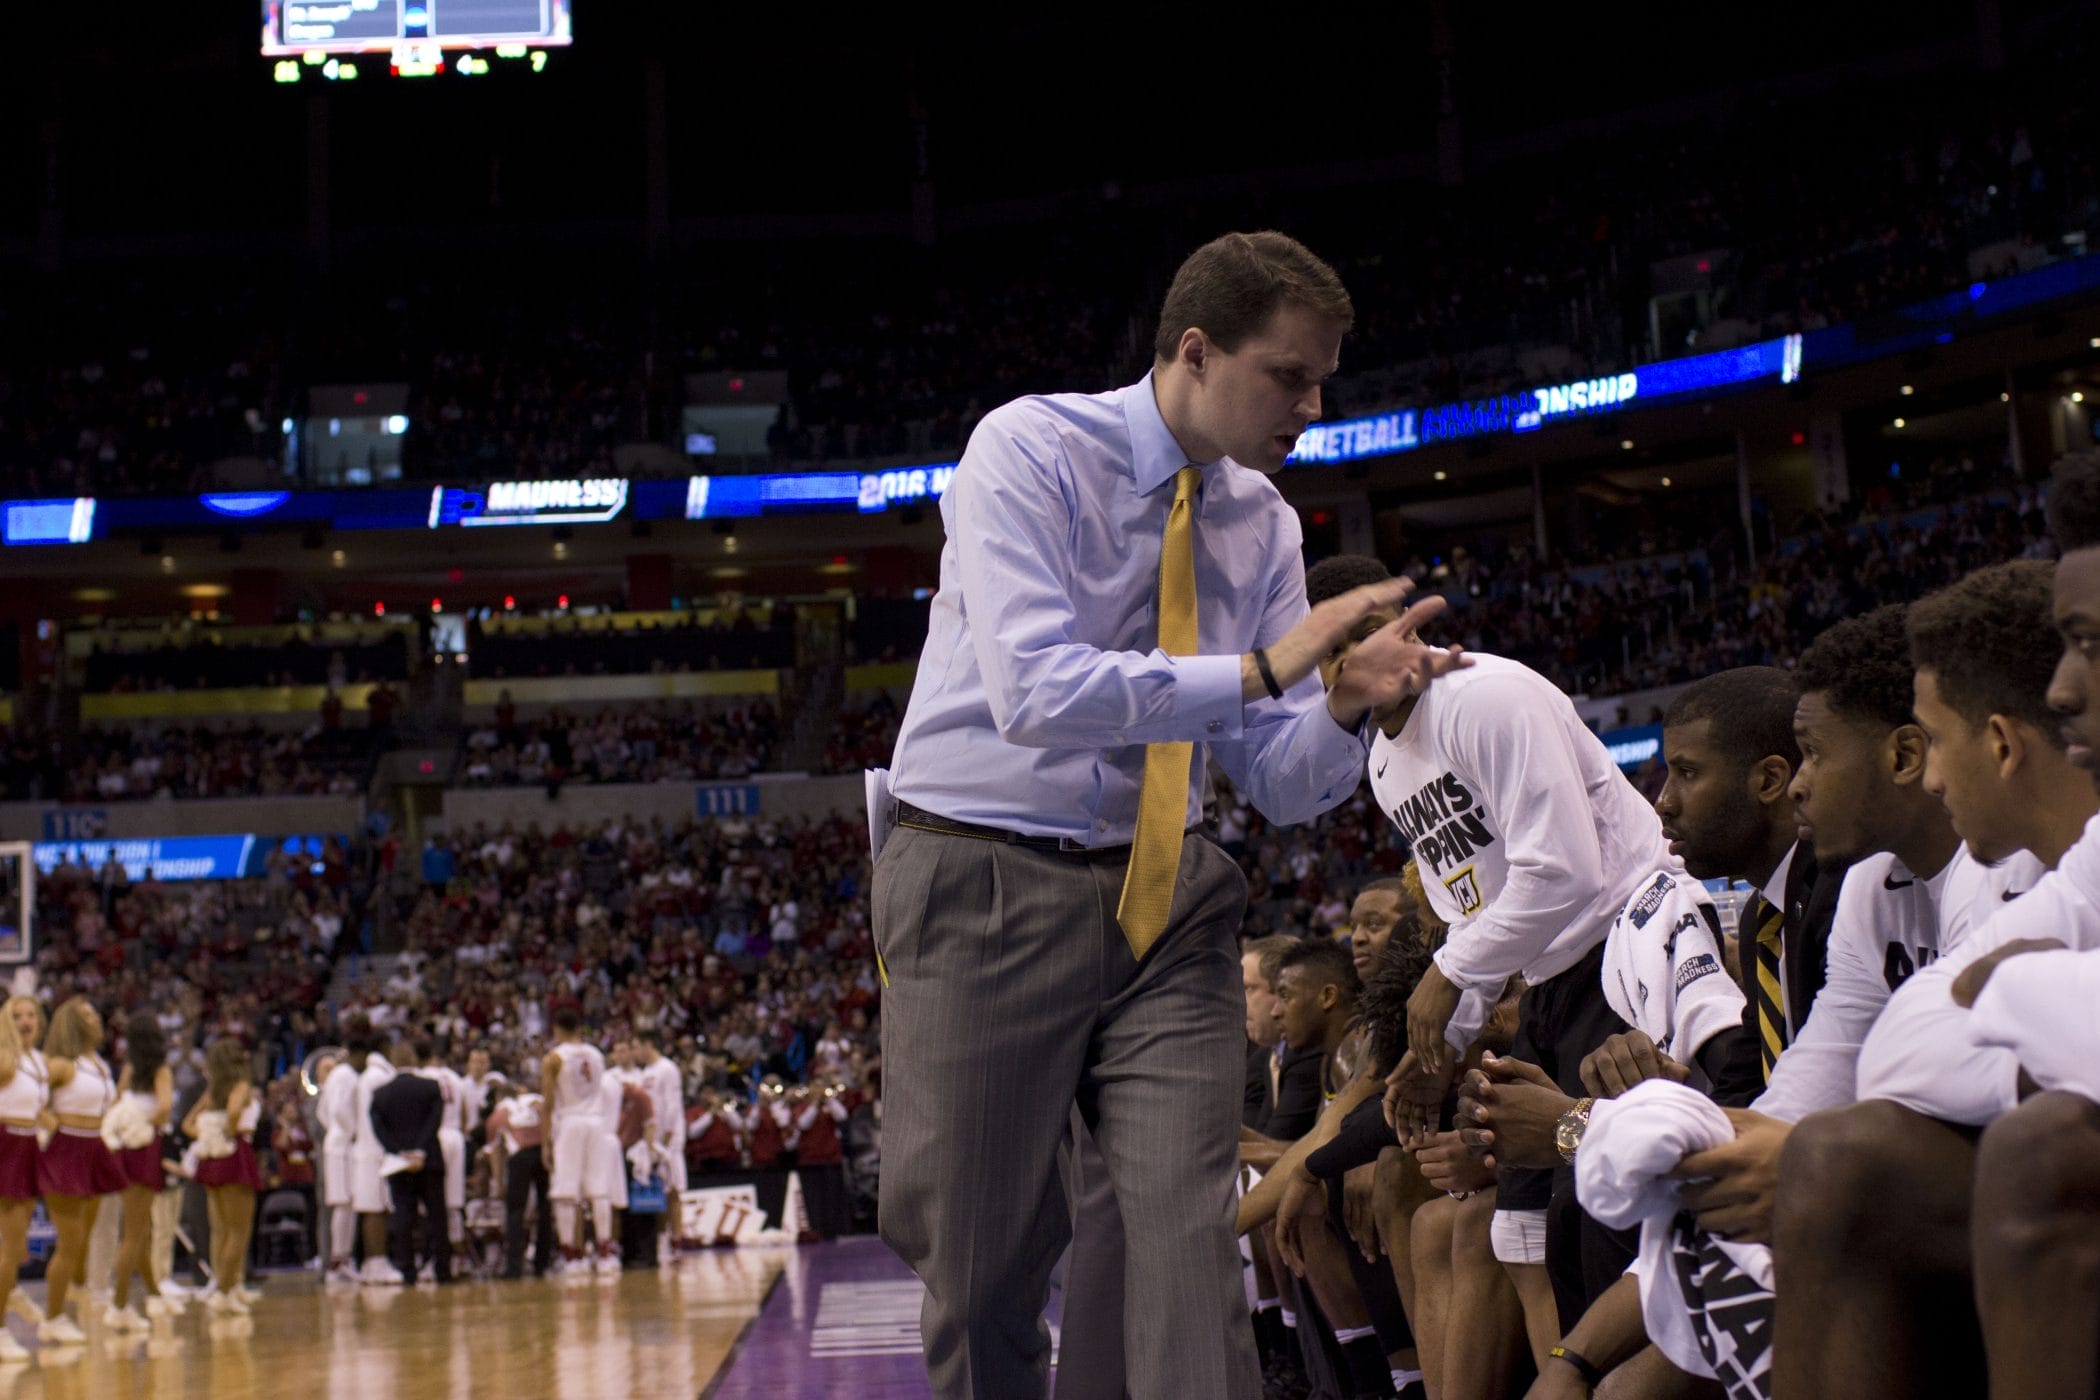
pixel 570 501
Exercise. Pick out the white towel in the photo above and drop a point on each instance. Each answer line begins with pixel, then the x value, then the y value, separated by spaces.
pixel 1707 1303
pixel 1664 972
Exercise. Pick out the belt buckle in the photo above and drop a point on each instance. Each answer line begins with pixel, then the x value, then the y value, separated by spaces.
pixel 1069 846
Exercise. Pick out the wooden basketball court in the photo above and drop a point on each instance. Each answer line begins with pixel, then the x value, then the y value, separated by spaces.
pixel 649 1335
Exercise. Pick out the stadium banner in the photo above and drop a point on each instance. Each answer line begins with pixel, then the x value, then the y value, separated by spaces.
pixel 238 856
pixel 719 1215
pixel 726 799
pixel 1630 748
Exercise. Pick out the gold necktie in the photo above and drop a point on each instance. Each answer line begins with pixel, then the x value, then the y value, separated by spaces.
pixel 1769 996
pixel 1155 848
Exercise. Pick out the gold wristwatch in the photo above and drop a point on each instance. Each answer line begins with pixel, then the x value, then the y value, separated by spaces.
pixel 1567 1133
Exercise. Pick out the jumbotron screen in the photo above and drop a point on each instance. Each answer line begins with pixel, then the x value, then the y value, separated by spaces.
pixel 340 40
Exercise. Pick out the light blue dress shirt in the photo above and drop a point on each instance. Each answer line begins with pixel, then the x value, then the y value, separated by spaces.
pixel 1040 683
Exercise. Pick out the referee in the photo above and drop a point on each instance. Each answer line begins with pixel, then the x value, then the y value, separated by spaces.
pixel 1122 595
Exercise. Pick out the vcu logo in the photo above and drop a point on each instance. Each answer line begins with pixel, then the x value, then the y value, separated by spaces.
pixel 1465 888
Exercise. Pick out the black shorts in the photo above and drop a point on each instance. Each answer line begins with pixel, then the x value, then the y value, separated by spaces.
pixel 1559 1022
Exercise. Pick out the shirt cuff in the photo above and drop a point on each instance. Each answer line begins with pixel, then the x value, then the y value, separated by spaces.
pixel 1446 960
pixel 1207 696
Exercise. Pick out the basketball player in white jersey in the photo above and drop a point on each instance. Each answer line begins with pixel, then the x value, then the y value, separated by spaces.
pixel 619 1079
pixel 368 1189
pixel 1987 657
pixel 1911 892
pixel 660 1079
pixel 587 1167
pixel 1530 843
pixel 337 1112
pixel 452 1142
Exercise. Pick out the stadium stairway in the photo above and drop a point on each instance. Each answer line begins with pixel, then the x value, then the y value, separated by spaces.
pixel 821 690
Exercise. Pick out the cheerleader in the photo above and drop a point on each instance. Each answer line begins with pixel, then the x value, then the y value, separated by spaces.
pixel 26 1015
pixel 77 1169
pixel 22 1098
pixel 223 1124
pixel 146 1102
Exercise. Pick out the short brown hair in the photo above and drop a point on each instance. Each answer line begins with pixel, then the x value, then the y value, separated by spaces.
pixel 1270 951
pixel 1991 646
pixel 1232 285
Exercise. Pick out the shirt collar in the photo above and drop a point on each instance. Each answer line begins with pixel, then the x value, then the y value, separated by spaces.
pixel 1775 888
pixel 1155 455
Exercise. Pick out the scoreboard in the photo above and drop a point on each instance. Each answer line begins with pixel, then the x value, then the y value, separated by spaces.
pixel 339 40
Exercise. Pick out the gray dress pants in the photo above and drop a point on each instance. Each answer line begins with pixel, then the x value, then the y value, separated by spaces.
pixel 1012 997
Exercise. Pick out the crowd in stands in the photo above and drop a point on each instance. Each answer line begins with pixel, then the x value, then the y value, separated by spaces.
pixel 744 944
pixel 117 763
pixel 728 639
pixel 664 742
pixel 864 731
pixel 211 665
pixel 1614 628
pixel 249 958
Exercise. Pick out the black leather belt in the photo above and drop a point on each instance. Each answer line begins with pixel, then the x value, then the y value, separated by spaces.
pixel 921 819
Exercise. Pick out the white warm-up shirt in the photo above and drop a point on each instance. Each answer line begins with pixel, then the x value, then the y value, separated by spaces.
pixel 1926 1052
pixel 1889 923
pixel 666 1090
pixel 452 1088
pixel 377 1071
pixel 2043 1010
pixel 337 1110
pixel 1529 839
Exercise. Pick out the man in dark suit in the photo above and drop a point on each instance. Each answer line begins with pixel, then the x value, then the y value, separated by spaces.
pixel 1728 743
pixel 406 1113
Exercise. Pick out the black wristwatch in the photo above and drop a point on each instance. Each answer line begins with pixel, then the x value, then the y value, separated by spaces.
pixel 1584 1367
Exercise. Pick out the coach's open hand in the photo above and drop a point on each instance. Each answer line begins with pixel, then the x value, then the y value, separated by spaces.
pixel 1386 666
pixel 1391 665
pixel 1428 1012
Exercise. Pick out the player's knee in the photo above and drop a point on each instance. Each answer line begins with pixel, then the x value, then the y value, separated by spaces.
pixel 2038 1176
pixel 1844 1175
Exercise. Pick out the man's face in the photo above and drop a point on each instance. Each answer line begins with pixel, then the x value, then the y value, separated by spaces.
pixel 1254 401
pixel 478 1063
pixel 1962 771
pixel 1302 1008
pixel 1841 779
pixel 2075 687
pixel 1331 663
pixel 1710 812
pixel 1372 919
pixel 1261 1001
